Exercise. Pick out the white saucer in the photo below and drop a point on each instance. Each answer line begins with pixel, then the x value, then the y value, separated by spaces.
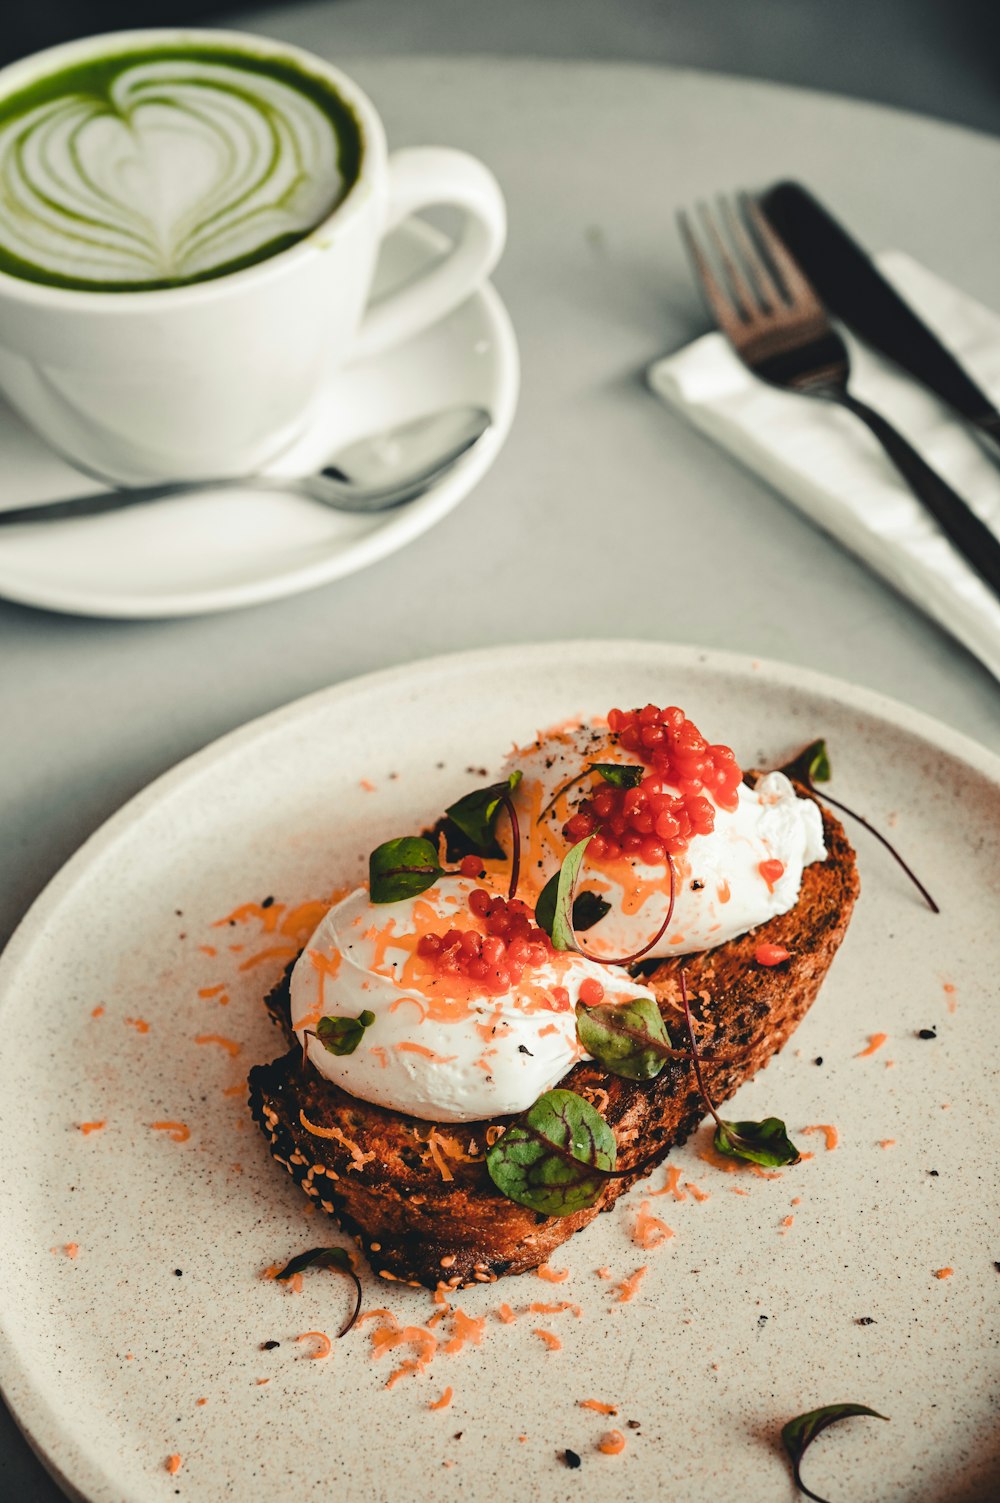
pixel 215 553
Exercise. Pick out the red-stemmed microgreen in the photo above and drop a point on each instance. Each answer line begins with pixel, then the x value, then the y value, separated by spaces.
pixel 476 814
pixel 341 1035
pixel 618 774
pixel 407 866
pixel 563 932
pixel 557 1156
pixel 800 1432
pixel 812 766
pixel 630 1039
pixel 765 1143
pixel 338 1259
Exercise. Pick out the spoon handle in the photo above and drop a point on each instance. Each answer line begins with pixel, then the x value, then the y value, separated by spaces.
pixel 117 500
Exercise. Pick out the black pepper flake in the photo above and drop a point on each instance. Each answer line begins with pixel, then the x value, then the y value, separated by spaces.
pixel 762 1320
pixel 523 1049
pixel 927 1033
pixel 269 1346
pixel 571 1459
pixel 178 1272
pixel 997 1267
pixel 268 903
pixel 633 1424
pixel 458 1435
pixel 818 1060
pixel 934 1172
pixel 865 1320
pixel 697 885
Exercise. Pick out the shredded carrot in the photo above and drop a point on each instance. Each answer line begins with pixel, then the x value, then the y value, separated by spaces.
pixel 439 1163
pixel 737 1191
pixel 71 1249
pixel 597 1406
pixel 699 1195
pixel 295 1283
pixel 494 1133
pixel 786 1223
pixel 262 1381
pixel 541 1308
pixel 276 952
pixel 552 1275
pixel 762 1173
pixel 887 1142
pixel 179 1131
pixel 97 1012
pixel 443 1401
pixel 830 1133
pixel 139 1024
pixel 612 1444
pixel 465 1328
pixel 629 1287
pixel 358 1159
pixel 200 1402
pixel 672 1186
pixel 598 1098
pixel 875 1041
pixel 89 1127
pixel 230 1045
pixel 266 917
pixel 212 991
pixel 506 1314
pixel 649 1231
pixel 551 1341
pixel 325 1344
pixel 208 950
pixel 376 1315
pixel 943 1273
pixel 407 1047
pixel 603 1273
pixel 549 1028
pixel 173 1464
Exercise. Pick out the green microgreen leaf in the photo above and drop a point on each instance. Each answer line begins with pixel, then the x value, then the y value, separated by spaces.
pixel 588 907
pixel 628 1038
pixel 619 774
pixel 764 1142
pixel 562 912
pixel 336 1258
pixel 810 766
pixel 799 1433
pixel 402 868
pixel 556 1158
pixel 342 1035
pixel 476 814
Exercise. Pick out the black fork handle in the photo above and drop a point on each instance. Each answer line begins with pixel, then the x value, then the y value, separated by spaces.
pixel 973 539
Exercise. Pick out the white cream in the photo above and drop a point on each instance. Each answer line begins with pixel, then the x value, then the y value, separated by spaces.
pixel 720 890
pixel 438 1049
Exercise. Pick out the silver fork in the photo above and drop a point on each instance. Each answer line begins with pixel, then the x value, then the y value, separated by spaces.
pixel 770 314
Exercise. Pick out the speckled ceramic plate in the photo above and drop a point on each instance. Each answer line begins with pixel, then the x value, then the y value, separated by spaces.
pixel 135 1312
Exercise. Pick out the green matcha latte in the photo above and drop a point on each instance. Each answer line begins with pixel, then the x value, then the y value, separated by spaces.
pixel 167 165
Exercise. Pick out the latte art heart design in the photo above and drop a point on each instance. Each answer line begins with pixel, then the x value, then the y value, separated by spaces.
pixel 182 167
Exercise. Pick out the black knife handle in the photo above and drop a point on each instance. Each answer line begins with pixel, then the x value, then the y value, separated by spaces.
pixel 973 539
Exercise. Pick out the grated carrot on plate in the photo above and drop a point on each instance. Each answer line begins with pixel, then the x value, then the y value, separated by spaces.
pixel 179 1131
pixel 506 1314
pixel 325 1344
pixel 943 1273
pixel 174 1463
pixel 231 1047
pixel 649 1231
pixel 551 1340
pixel 629 1287
pixel 443 1401
pixel 875 1041
pixel 552 1275
pixel 597 1406
pixel 89 1127
pixel 465 1328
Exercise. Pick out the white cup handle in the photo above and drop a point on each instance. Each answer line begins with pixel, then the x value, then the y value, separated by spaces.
pixel 419 177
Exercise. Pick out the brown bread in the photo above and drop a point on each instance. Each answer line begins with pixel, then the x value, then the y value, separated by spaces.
pixel 417 1198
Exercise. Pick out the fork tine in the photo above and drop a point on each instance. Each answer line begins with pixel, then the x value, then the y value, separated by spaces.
pixel 766 286
pixel 799 289
pixel 727 315
pixel 732 270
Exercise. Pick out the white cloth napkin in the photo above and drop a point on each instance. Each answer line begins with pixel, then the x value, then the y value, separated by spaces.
pixel 826 462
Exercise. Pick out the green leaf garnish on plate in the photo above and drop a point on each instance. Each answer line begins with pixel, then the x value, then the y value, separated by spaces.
pixel 765 1143
pixel 627 1038
pixel 402 868
pixel 619 774
pixel 477 813
pixel 588 907
pixel 342 1035
pixel 556 1158
pixel 799 1433
pixel 338 1259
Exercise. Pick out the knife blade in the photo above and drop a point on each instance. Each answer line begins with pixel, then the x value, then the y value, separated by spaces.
pixel 853 289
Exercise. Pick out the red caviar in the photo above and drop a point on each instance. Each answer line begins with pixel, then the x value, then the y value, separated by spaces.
pixel 497 960
pixel 669 805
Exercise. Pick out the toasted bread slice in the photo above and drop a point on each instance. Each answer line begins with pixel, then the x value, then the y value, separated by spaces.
pixel 417 1197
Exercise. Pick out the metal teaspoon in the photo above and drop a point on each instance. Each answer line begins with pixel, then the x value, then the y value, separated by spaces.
pixel 371 474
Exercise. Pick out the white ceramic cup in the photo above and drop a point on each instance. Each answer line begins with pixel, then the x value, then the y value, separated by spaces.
pixel 218 377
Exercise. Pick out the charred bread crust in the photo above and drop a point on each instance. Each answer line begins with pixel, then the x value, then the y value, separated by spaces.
pixel 379 1173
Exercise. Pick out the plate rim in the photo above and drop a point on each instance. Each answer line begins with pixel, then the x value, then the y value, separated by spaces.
pixel 28 1405
pixel 403 528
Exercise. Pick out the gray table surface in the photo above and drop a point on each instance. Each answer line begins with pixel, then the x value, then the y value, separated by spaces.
pixel 604 516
